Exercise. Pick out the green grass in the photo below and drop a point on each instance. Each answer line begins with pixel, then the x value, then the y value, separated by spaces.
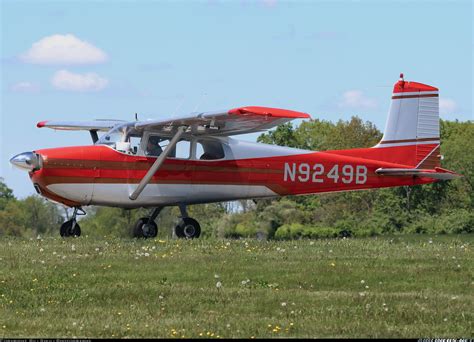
pixel 403 286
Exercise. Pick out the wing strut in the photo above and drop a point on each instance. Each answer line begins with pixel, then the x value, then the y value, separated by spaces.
pixel 157 164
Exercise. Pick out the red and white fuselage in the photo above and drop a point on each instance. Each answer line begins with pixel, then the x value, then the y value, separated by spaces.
pixel 99 174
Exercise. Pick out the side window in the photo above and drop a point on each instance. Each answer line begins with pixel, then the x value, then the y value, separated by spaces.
pixel 183 149
pixel 155 145
pixel 135 144
pixel 199 150
pixel 209 150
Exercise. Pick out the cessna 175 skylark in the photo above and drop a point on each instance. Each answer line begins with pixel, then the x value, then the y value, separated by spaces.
pixel 189 160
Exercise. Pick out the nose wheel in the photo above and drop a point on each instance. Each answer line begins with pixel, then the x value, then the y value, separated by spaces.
pixel 71 228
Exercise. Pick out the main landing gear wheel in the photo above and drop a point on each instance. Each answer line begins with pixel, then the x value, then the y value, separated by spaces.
pixel 70 228
pixel 145 228
pixel 188 228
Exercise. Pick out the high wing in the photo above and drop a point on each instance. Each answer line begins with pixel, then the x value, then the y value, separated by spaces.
pixel 224 123
pixel 95 125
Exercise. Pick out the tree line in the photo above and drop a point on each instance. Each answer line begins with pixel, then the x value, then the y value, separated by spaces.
pixel 442 207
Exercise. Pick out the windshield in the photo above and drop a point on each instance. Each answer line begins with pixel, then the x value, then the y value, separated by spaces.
pixel 124 138
pixel 113 136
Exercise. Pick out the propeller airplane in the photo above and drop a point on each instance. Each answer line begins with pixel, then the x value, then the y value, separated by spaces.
pixel 193 159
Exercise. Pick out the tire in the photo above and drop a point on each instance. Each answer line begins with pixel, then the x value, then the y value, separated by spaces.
pixel 67 230
pixel 188 228
pixel 145 228
pixel 179 231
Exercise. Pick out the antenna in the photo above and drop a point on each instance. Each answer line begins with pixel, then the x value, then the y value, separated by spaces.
pixel 402 80
pixel 200 102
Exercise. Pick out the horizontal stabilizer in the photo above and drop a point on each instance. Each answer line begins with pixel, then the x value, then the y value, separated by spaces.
pixel 437 173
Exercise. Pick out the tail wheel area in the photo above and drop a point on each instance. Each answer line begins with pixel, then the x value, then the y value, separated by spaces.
pixel 145 228
pixel 70 228
pixel 188 228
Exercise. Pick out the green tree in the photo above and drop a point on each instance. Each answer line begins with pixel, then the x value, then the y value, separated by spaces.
pixel 6 194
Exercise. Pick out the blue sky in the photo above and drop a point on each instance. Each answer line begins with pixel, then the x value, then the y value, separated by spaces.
pixel 332 59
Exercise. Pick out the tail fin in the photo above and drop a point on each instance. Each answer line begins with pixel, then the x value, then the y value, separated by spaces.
pixel 413 125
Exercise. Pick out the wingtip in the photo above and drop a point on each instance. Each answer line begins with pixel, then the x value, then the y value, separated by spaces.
pixel 41 124
pixel 275 112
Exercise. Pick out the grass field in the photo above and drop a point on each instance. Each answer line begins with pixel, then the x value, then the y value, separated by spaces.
pixel 403 286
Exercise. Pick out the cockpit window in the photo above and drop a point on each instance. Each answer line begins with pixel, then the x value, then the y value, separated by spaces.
pixel 155 145
pixel 209 150
pixel 113 136
pixel 127 139
pixel 123 138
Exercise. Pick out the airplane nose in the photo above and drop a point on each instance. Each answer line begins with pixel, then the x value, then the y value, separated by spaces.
pixel 27 161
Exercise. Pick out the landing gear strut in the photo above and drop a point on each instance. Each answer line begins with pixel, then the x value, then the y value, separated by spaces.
pixel 146 227
pixel 71 227
pixel 188 227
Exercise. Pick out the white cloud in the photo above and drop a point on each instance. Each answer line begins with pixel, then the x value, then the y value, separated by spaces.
pixel 25 87
pixel 447 106
pixel 63 49
pixel 357 100
pixel 66 80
